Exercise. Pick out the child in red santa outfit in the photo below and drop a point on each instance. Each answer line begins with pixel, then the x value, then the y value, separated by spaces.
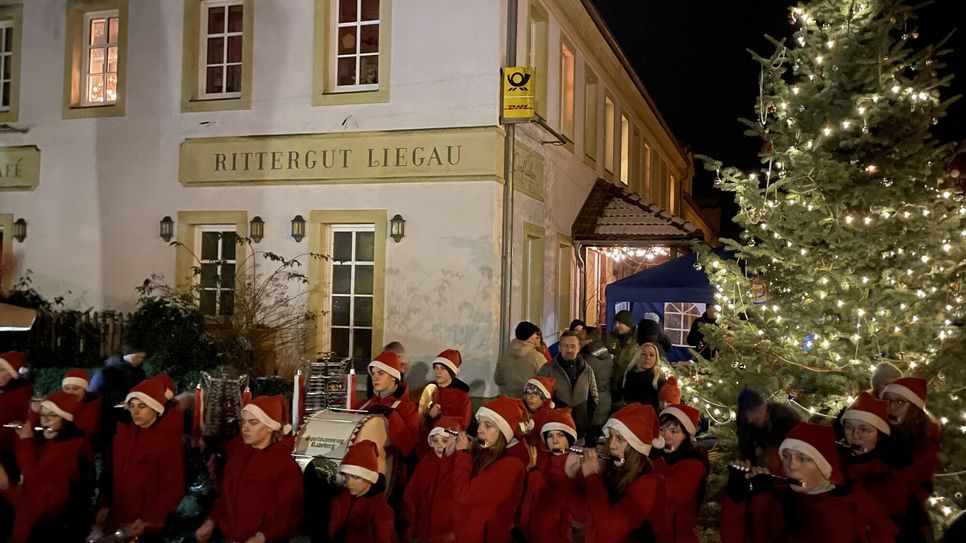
pixel 818 506
pixel 874 462
pixel 428 505
pixel 453 394
pixel 488 483
pixel 545 514
pixel 360 514
pixel 51 464
pixel 538 398
pixel 685 468
pixel 628 501
pixel 390 399
pixel 87 417
pixel 146 479
pixel 260 498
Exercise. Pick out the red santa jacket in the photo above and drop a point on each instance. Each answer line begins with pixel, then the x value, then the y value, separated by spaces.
pixel 14 405
pixel 686 477
pixel 640 511
pixel 428 506
pixel 922 472
pixel 147 475
pixel 172 420
pixel 535 437
pixel 261 491
pixel 48 467
pixel 88 415
pixel 486 504
pixel 403 420
pixel 545 514
pixel 842 515
pixel 366 519
pixel 881 475
pixel 454 401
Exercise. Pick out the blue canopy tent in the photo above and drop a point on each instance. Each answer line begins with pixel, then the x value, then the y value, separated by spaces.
pixel 676 282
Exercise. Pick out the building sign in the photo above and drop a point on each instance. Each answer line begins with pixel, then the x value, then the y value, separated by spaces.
pixel 346 157
pixel 528 168
pixel 519 84
pixel 19 167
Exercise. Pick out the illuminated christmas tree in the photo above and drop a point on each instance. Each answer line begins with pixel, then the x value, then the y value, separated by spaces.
pixel 854 238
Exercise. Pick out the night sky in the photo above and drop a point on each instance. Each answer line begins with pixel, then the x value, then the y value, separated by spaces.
pixel 692 57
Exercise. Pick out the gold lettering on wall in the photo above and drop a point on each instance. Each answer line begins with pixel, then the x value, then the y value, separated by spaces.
pixel 19 167
pixel 354 157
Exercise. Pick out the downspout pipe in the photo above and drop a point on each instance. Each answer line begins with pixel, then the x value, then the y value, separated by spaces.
pixel 509 150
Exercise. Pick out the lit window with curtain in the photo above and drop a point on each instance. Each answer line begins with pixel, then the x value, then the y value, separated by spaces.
pixel 99 59
pixel 356 45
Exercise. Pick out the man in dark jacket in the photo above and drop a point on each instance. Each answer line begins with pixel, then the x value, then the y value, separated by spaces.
pixel 622 343
pixel 595 353
pixel 118 376
pixel 696 337
pixel 575 385
pixel 762 426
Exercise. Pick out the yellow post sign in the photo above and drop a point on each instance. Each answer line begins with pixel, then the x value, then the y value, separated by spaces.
pixel 519 84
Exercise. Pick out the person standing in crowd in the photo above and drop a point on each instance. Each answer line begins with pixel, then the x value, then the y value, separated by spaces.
pixel 146 479
pixel 816 506
pixel 873 462
pixel 576 325
pixel 87 417
pixel 915 430
pixel 884 374
pixel 453 398
pixel 644 378
pixel 622 343
pixel 685 467
pixel 429 508
pixel 538 401
pixel 762 426
pixel 113 382
pixel 543 347
pixel 487 483
pixel 601 362
pixel 545 514
pixel 575 385
pixel 627 501
pixel 520 362
pixel 649 330
pixel 260 499
pixel 389 398
pixel 696 338
pixel 360 513
pixel 51 465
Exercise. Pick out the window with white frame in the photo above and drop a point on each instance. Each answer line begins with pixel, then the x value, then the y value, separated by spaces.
pixel 99 59
pixel 356 45
pixel 351 290
pixel 216 280
pixel 6 63
pixel 222 39
pixel 625 150
pixel 567 68
pixel 678 317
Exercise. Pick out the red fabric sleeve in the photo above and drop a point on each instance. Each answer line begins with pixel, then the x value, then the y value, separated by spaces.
pixel 414 497
pixel 169 481
pixel 616 522
pixel 339 513
pixel 683 480
pixel 404 426
pixel 501 482
pixel 283 516
pixel 384 517
pixel 25 450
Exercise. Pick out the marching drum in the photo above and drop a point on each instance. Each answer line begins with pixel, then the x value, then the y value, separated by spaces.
pixel 325 438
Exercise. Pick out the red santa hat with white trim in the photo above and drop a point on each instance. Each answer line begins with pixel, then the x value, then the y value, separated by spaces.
pixel 913 389
pixel 817 442
pixel 870 410
pixel 12 362
pixel 63 404
pixel 639 426
pixel 450 358
pixel 560 419
pixel 362 460
pixel 168 383
pixel 504 412
pixel 688 416
pixel 388 362
pixel 270 411
pixel 445 423
pixel 544 384
pixel 149 391
pixel 77 377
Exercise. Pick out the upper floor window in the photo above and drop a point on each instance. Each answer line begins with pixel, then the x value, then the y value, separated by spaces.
pixel 538 28
pixel 590 115
pixel 6 63
pixel 609 134
pixel 625 150
pixel 222 40
pixel 99 60
pixel 357 45
pixel 567 68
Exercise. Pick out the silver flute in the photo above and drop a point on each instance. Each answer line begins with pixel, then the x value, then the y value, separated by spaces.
pixel 16 426
pixel 579 451
pixel 474 440
pixel 789 480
